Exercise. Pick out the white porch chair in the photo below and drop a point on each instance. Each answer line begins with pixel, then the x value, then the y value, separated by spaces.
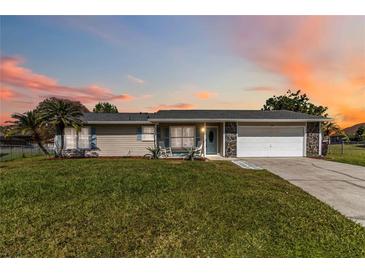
pixel 165 151
pixel 199 150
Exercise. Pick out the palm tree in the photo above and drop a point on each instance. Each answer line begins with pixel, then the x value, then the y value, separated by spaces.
pixel 61 113
pixel 28 123
pixel 330 128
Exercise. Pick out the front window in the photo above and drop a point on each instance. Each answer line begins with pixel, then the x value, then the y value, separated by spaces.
pixel 182 136
pixel 70 138
pixel 84 138
pixel 148 133
pixel 74 139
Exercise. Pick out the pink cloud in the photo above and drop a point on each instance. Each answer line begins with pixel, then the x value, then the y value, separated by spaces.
pixel 145 96
pixel 13 74
pixel 23 89
pixel 205 95
pixel 260 89
pixel 8 94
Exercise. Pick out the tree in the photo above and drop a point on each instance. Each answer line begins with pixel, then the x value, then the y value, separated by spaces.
pixel 6 130
pixel 298 102
pixel 60 113
pixel 28 123
pixel 105 107
pixel 294 101
pixel 331 128
pixel 360 133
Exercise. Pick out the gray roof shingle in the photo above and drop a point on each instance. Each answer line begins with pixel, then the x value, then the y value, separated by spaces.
pixel 116 117
pixel 130 117
pixel 233 114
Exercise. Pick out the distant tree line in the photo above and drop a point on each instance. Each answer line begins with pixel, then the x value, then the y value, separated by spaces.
pixel 105 107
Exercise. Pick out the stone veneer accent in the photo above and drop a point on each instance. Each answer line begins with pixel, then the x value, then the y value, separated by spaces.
pixel 313 131
pixel 231 139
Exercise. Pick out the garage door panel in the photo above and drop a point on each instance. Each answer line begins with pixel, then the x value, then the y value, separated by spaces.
pixel 270 141
pixel 270 131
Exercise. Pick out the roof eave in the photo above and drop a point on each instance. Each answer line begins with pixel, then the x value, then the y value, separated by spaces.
pixel 117 122
pixel 242 120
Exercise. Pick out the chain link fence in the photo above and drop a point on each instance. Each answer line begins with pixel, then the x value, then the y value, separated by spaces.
pixel 346 149
pixel 12 152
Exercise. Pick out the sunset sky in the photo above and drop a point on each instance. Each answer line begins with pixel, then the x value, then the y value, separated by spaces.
pixel 146 63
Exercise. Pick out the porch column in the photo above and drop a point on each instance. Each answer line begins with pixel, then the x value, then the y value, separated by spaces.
pixel 205 139
pixel 224 140
pixel 155 135
pixel 320 139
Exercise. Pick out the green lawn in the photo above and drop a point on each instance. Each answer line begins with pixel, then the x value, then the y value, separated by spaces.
pixel 352 154
pixel 141 208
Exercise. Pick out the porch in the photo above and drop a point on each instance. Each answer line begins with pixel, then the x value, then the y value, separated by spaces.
pixel 182 136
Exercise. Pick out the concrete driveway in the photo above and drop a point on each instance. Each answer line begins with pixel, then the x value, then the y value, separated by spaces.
pixel 342 186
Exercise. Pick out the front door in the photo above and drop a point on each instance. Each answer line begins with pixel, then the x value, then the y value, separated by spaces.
pixel 211 139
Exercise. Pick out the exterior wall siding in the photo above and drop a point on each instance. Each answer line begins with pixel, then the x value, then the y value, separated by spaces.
pixel 120 140
pixel 313 137
pixel 230 139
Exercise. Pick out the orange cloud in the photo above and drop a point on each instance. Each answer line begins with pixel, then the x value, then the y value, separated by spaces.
pixel 173 106
pixel 307 54
pixel 4 118
pixel 204 95
pixel 7 94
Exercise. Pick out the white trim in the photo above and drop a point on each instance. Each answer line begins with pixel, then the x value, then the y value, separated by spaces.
pixel 320 140
pixel 240 120
pixel 224 140
pixel 305 140
pixel 217 127
pixel 236 139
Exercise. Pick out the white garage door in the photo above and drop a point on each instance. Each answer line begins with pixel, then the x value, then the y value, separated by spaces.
pixel 275 141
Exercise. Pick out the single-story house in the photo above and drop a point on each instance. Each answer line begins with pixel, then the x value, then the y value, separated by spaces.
pixel 228 133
